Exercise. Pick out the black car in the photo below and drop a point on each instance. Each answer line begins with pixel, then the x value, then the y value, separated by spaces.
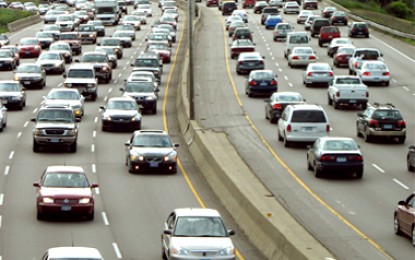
pixel 268 11
pixel 317 24
pixel 276 104
pixel 259 6
pixel 121 113
pixel 358 29
pixel 339 17
pixel 144 93
pixel 248 61
pixel 410 158
pixel 12 94
pixel 151 151
pixel 228 8
pixel 262 82
pixel 382 121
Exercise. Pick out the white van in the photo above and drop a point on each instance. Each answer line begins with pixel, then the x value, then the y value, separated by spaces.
pixel 296 39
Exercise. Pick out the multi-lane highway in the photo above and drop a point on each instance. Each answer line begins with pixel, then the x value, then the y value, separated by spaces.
pixel 130 209
pixel 353 218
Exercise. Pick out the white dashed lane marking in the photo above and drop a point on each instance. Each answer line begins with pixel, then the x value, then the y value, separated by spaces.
pixel 401 184
pixel 378 168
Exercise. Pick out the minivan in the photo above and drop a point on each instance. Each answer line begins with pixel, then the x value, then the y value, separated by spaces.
pixel 295 39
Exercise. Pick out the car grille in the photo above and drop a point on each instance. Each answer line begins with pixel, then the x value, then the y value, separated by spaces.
pixel 203 253
pixel 121 118
pixel 79 85
pixel 28 78
pixel 54 131
pixel 153 158
pixel 66 201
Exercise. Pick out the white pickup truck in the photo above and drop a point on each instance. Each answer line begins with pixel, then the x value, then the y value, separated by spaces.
pixel 347 90
pixel 360 55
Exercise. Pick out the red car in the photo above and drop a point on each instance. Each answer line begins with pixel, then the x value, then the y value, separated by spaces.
pixel 210 3
pixel 342 56
pixel 241 45
pixel 328 33
pixel 310 4
pixel 163 51
pixel 64 190
pixel 29 47
pixel 404 218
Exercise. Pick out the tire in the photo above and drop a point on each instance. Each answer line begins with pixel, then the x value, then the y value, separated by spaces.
pixel 280 137
pixel 329 101
pixel 317 173
pixel 396 227
pixel 309 167
pixel 350 72
pixel 336 105
pixel 39 216
pixel 286 142
pixel 94 97
pixel 320 43
pixel 387 83
pixel 91 216
pixel 367 138
pixel 72 147
pixel 364 106
pixel 401 139
pixel 154 110
pixel 409 166
pixel 359 174
pixel 163 254
pixel 413 235
pixel 36 147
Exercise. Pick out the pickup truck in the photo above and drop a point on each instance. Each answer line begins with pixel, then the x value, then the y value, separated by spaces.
pixel 347 90
pixel 360 55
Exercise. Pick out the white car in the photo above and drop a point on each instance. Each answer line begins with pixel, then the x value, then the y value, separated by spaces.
pixel 57 253
pixel 301 56
pixel 374 72
pixel 291 7
pixel 242 13
pixel 66 96
pixel 146 8
pixel 3 117
pixel 303 15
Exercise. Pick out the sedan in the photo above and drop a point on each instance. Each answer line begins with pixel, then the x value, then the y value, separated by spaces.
pixel 281 30
pixel 111 54
pixel 339 17
pixel 342 56
pixel 52 62
pixel 45 39
pixel 410 158
pixel 336 43
pixel 7 60
pixel 374 72
pixel 301 56
pixel 326 12
pixel 134 20
pixel 162 50
pixel 333 155
pixel 259 5
pixel 404 218
pixel 3 117
pixel 303 15
pixel 291 7
pixel 31 75
pixel 144 92
pixel 12 94
pixel 72 252
pixel 4 40
pixel 261 82
pixel 318 73
pixel 124 37
pixel 66 96
pixel 151 151
pixel 29 47
pixel 248 61
pixel 64 190
pixel 121 112
pixel 64 49
pixel 99 27
pixel 276 104
pixel 310 4
pixel 241 45
pixel 233 26
pixel 190 231
pixel 14 50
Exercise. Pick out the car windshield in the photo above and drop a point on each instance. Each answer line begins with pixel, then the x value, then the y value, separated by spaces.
pixel 346 50
pixel 44 35
pixel 80 73
pixel 25 68
pixel 194 226
pixel 86 28
pixel 65 180
pixel 108 51
pixel 9 87
pixel 146 63
pixel 131 18
pixel 139 87
pixel 94 58
pixel 125 27
pixel 121 105
pixel 5 54
pixel 49 56
pixel 387 114
pixel 121 34
pixel 28 42
pixel 63 95
pixel 151 140
pixel 64 18
pixel 61 115
pixel 340 145
pixel 3 37
pixel 299 39
pixel 308 116
pixel 320 67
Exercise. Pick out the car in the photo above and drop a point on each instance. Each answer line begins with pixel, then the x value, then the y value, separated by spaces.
pixel 3 116
pixel 16 5
pixel 149 61
pixel 301 57
pixel 143 76
pixel 7 60
pixel 171 30
pixel 259 6
pixel 347 90
pixel 151 151
pixel 108 42
pixel 112 56
pixel 52 28
pixel 410 158
pixel 335 155
pixel 63 190
pixel 162 50
pixel 3 4
pixel 296 39
pixel 210 3
pixel 149 11
pixel 55 127
pixel 126 28
pixel 242 13
pixel 327 34
pixel 12 94
pixel 339 17
pixel 327 11
pixel 73 252
pixel 168 20
pixel 82 16
pixel 316 25
pixel 268 11
pixel 29 47
pixel 303 123
pixel 140 14
pixel 303 15
pixel 125 38
pixel 272 20
pixel 45 39
pixel 336 43
pixel 241 45
pixel 358 29
pixel 82 77
pixel 231 19
pixel 381 121
pixel 361 55
pixel 318 73
pixel 342 56
pixel 122 4
pixel 66 96
pixel 100 62
pixel 404 218
pixel 191 232
pixel 309 21
pixel 276 104
pixel 144 92
pixel 30 75
pixel 261 82
pixel 291 7
pixel 74 40
pixel 310 4
pixel 14 50
pixel 134 20
pixel 52 62
pixel 248 61
pixel 4 39
pixel 43 8
pixel 121 113
pixel 228 7
pixel 374 72
pixel 242 33
pixel 233 25
pixel 160 36
pixel 87 32
pixel 51 16
pixel 281 30
pixel 172 12
pixel 276 3
pixel 66 22
pixel 64 49
pixel 98 26
pixel 248 3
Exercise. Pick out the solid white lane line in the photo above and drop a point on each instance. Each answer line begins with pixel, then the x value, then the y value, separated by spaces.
pixel 105 219
pixel 11 155
pixel 92 148
pixel 117 250
pixel 94 134
pixel 0 221
pixel 1 199
pixel 401 184
pixel 19 134
pixel 378 168
pixel 94 168
pixel 25 124
pixel 7 170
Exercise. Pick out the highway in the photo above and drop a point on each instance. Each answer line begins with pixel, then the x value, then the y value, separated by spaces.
pixel 353 218
pixel 130 209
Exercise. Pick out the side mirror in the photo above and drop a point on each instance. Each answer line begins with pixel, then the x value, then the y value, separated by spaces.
pixel 231 232
pixel 102 107
pixel 360 114
pixel 167 232
pixel 33 119
pixel 94 185
pixel 64 75
pixel 401 203
pixel 122 89
pixel 36 184
pixel 127 144
pixel 176 145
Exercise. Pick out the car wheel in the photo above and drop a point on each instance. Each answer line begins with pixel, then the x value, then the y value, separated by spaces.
pixel 103 129
pixel 39 216
pixel 329 101
pixel 94 97
pixel 387 83
pixel 367 35
pixel 279 136
pixel 72 148
pixel 396 227
pixel 163 254
pixel 317 173
pixel 309 167
pixel 350 72
pixel 410 167
pixel 36 147
pixel 286 142
pixel 320 43
pixel 336 105
pixel 359 174
pixel 367 137
pixel 401 139
pixel 413 235
pixel 364 105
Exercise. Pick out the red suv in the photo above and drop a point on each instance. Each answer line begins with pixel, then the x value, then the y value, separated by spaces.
pixel 327 33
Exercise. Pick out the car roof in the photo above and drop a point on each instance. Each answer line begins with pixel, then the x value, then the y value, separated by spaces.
pixel 306 107
pixel 122 98
pixel 74 252
pixel 63 168
pixel 9 81
pixel 82 65
pixel 193 212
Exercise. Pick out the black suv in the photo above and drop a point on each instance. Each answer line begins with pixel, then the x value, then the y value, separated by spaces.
pixel 317 24
pixel 55 126
pixel 383 121
pixel 268 11
pixel 149 61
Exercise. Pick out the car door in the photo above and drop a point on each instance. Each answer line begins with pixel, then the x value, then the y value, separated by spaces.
pixel 406 214
pixel 362 120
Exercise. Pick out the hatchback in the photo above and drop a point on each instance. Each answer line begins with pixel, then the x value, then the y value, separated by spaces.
pixel 261 82
pixel 319 73
pixel 248 61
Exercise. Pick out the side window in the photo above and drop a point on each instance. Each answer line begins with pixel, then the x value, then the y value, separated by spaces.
pixel 284 114
pixel 171 220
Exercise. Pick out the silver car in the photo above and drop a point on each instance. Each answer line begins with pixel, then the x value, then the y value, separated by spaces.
pixel 291 7
pixel 319 73
pixel 66 96
pixel 303 15
pixel 301 56
pixel 196 233
pixel 336 43
pixel 64 49
pixel 374 72
pixel 52 62
pixel 281 30
pixel 3 117
pixel 12 94
pixel 121 113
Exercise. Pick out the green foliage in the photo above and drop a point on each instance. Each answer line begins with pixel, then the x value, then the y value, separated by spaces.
pixel 399 9
pixel 9 15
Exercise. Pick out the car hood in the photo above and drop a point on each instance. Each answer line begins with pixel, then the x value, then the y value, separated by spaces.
pixel 80 80
pixel 201 243
pixel 25 74
pixel 9 94
pixel 55 125
pixel 51 102
pixel 120 112
pixel 66 192
pixel 149 151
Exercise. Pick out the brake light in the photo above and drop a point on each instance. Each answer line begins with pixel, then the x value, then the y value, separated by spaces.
pixel 310 74
pixel 401 123
pixel 295 58
pixel 338 94
pixel 373 123
pixel 328 158
pixel 289 128
pixel 312 57
pixel 356 157
pixel 331 74
pixel 327 128
pixel 240 62
pixel 366 73
pixel 355 64
pixel 273 82
pixel 277 107
pixel 253 83
pixel 385 73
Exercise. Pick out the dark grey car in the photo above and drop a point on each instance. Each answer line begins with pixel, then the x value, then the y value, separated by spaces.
pixel 248 61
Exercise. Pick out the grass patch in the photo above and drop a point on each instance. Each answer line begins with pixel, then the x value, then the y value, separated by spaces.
pixel 9 15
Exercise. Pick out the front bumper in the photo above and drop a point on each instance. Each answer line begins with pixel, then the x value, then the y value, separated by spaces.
pixel 65 208
pixel 55 140
pixel 32 83
pixel 168 167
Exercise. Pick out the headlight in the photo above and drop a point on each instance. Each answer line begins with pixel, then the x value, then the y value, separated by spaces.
pixel 56 64
pixel 84 200
pixel 105 68
pixel 136 158
pixel 71 132
pixel 47 200
pixel 66 54
pixel 16 78
pixel 17 97
pixel 91 85
pixel 38 131
pixel 149 98
pixel 68 85
pixel 92 35
pixel 107 118
pixel 172 157
pixel 227 251
pixel 180 251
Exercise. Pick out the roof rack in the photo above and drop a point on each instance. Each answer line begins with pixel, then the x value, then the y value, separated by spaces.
pixel 376 104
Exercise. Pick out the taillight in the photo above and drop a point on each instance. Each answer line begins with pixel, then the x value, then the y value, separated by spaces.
pixel 253 83
pixel 328 158
pixel 338 94
pixel 355 64
pixel 331 74
pixel 310 74
pixel 277 107
pixel 273 82
pixel 240 62
pixel 356 157
pixel 312 57
pixel 401 123
pixel 295 58
pixel 373 122
pixel 261 62
pixel 327 128
pixel 366 73
pixel 385 73
pixel 289 128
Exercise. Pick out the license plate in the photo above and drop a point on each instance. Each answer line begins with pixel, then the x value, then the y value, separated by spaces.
pixel 27 52
pixel 263 84
pixel 352 101
pixel 387 126
pixel 304 57
pixel 54 140
pixel 26 82
pixel 66 208
pixel 154 164
pixel 341 159
pixel 308 128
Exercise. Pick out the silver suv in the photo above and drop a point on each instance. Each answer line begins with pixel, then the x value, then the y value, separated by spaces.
pixel 82 77
pixel 55 126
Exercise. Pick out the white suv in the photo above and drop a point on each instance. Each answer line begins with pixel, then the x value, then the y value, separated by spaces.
pixel 302 123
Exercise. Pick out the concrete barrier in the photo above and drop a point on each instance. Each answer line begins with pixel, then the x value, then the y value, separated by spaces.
pixel 268 225
pixel 22 23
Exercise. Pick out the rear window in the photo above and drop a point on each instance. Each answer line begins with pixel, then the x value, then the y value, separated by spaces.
pixel 367 54
pixel 387 114
pixel 308 116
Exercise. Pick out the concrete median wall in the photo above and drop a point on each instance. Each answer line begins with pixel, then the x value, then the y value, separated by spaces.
pixel 22 23
pixel 268 225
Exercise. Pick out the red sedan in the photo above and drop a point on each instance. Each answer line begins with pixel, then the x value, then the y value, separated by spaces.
pixel 342 56
pixel 163 51
pixel 64 190
pixel 29 47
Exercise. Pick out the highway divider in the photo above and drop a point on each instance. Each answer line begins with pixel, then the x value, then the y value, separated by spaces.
pixel 265 221
pixel 22 23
